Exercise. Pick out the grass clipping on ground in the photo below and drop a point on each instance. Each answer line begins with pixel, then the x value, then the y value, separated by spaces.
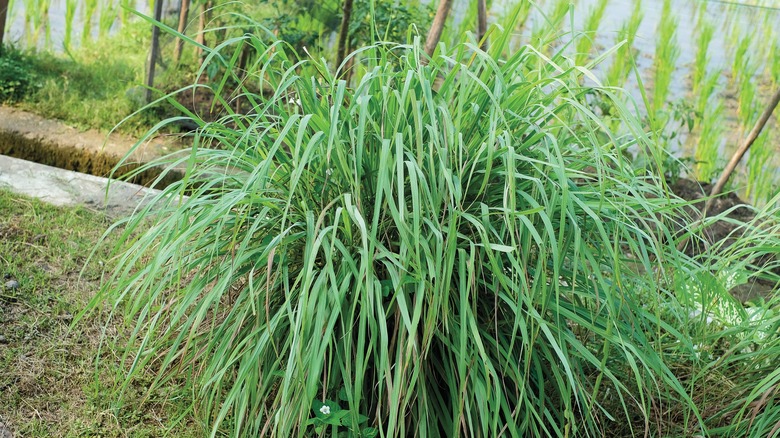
pixel 49 384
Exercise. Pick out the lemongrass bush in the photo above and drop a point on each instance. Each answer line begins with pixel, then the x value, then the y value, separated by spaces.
pixel 389 257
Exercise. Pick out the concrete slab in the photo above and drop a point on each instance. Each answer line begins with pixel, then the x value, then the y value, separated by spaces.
pixel 65 187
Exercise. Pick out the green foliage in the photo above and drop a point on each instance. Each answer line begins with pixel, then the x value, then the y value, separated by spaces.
pixel 391 21
pixel 17 78
pixel 90 88
pixel 468 259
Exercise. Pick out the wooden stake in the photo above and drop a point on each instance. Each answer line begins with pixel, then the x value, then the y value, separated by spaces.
pixel 439 20
pixel 184 11
pixel 341 53
pixel 724 177
pixel 155 50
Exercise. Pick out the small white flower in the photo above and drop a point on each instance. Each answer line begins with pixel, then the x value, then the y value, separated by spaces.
pixel 325 409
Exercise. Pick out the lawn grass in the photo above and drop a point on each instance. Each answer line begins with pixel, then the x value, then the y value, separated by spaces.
pixel 49 385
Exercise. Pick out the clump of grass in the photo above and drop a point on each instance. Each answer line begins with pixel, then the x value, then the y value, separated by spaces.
pixel 621 65
pixel 36 21
pixel 665 61
pixel 477 259
pixel 748 108
pixel 585 42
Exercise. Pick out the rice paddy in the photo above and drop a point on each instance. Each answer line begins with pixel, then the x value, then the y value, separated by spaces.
pixel 721 59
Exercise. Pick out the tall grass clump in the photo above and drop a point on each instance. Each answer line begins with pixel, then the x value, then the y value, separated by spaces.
pixel 389 256
pixel 585 43
pixel 666 54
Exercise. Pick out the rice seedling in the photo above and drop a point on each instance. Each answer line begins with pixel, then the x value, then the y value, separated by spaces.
pixel 707 89
pixel 90 9
pixel 475 260
pixel 709 143
pixel 125 6
pixel 742 60
pixel 665 61
pixel 108 16
pixel 748 107
pixel 548 27
pixel 760 174
pixel 70 16
pixel 37 19
pixel 620 68
pixel 585 42
pixel 706 32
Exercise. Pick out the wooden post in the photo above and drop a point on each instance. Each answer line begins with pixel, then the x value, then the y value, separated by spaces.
pixel 201 36
pixel 3 17
pixel 481 24
pixel 155 50
pixel 341 53
pixel 439 20
pixel 184 12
